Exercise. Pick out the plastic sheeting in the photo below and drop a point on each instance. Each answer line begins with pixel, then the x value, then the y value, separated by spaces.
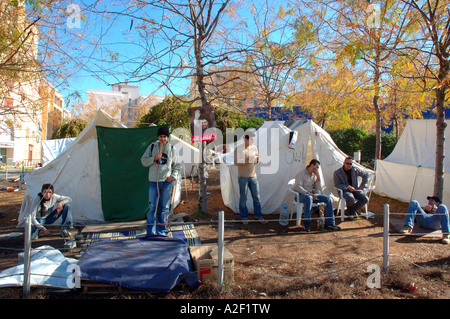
pixel 52 148
pixel 49 268
pixel 151 264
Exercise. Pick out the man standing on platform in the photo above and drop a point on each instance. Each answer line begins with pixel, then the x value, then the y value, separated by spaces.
pixel 162 161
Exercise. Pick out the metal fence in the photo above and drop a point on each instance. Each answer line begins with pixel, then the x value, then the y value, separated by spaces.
pixel 13 170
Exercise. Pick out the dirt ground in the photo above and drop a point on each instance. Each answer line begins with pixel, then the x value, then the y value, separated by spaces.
pixel 281 262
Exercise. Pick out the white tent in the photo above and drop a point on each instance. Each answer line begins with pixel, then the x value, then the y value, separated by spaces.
pixel 279 164
pixel 76 173
pixel 408 172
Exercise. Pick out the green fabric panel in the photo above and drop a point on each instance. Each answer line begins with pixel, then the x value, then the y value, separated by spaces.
pixel 124 181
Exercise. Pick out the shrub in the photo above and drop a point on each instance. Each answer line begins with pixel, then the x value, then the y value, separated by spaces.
pixel 252 122
pixel 349 140
pixel 69 129
pixel 388 142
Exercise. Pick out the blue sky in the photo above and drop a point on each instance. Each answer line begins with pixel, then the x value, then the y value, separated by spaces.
pixel 106 48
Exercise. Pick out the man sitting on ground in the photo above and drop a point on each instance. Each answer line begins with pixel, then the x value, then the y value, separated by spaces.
pixel 433 216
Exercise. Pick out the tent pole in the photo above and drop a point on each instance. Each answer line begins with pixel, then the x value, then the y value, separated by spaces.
pixel 27 258
pixel 414 185
pixel 220 247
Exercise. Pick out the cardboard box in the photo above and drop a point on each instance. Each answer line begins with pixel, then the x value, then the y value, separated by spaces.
pixel 205 258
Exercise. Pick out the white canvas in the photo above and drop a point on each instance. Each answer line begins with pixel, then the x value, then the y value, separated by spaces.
pixel 408 172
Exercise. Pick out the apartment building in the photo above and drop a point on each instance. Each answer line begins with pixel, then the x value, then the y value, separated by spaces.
pixel 123 102
pixel 31 109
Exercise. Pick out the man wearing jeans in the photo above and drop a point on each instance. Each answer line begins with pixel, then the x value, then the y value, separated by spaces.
pixel 245 158
pixel 434 216
pixel 162 161
pixel 306 182
pixel 50 209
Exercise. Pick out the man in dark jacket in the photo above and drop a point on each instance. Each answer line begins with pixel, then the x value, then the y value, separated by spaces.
pixel 346 179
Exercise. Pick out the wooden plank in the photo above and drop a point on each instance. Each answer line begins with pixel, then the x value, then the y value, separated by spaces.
pixel 96 287
pixel 109 227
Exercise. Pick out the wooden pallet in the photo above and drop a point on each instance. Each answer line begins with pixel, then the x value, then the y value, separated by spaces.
pixel 97 287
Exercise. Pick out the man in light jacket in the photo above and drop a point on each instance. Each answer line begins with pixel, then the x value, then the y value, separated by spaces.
pixel 307 183
pixel 246 156
pixel 346 179
pixel 162 161
pixel 49 208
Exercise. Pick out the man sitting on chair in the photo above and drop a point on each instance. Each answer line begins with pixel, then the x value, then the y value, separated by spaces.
pixel 305 183
pixel 346 179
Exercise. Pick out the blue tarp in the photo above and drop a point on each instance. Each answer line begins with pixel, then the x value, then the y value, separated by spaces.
pixel 149 263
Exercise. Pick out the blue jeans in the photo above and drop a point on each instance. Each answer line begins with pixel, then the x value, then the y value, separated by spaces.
pixel 438 220
pixel 64 219
pixel 355 201
pixel 157 221
pixel 307 201
pixel 251 183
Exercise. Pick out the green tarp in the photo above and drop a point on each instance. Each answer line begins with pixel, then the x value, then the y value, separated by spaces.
pixel 124 181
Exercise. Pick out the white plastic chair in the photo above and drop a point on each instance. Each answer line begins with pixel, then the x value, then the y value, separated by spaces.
pixel 297 204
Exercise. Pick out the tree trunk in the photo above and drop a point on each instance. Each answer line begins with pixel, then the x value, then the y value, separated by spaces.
pixel 269 101
pixel 440 141
pixel 202 193
pixel 202 196
pixel 377 127
pixel 376 82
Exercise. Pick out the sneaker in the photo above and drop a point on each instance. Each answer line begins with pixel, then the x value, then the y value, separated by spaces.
pixel 406 230
pixel 262 220
pixel 332 227
pixel 245 221
pixel 445 238
pixel 351 216
pixel 64 232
